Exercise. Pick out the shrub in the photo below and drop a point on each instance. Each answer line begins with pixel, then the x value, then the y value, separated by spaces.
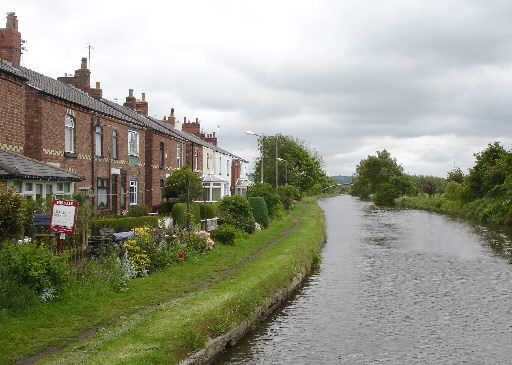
pixel 166 208
pixel 236 210
pixel 138 210
pixel 225 233
pixel 13 212
pixel 179 213
pixel 259 210
pixel 33 270
pixel 123 224
pixel 138 255
pixel 267 192
pixel 287 194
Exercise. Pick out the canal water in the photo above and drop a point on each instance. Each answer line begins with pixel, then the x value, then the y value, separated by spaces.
pixel 395 287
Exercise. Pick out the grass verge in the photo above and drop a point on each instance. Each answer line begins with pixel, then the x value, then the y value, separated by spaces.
pixel 165 316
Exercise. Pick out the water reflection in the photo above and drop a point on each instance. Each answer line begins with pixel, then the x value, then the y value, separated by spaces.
pixel 395 287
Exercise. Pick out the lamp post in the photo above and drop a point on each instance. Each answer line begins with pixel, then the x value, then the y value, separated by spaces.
pixel 286 171
pixel 255 134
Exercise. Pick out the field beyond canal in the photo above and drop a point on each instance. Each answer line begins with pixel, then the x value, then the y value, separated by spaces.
pixel 170 314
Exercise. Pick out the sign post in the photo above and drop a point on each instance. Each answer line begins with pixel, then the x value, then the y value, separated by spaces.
pixel 63 219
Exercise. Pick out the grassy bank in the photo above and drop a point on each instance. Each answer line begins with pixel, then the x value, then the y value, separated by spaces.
pixel 487 210
pixel 163 317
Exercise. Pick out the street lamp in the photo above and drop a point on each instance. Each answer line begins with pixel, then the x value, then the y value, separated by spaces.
pixel 257 135
pixel 286 166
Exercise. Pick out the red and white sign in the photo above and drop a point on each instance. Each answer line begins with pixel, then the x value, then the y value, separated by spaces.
pixel 63 217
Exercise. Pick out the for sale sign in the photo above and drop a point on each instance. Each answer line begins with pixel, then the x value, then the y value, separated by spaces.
pixel 63 217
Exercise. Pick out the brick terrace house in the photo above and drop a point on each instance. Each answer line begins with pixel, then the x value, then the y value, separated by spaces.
pixel 123 154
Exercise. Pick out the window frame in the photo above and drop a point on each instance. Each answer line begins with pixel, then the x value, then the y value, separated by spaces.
pixel 104 187
pixel 98 141
pixel 133 143
pixel 115 149
pixel 71 127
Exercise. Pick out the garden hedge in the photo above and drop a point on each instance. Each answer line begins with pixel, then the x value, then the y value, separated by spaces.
pixel 259 210
pixel 179 213
pixel 123 224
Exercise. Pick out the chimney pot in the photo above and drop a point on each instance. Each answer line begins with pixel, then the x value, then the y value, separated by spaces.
pixel 98 85
pixel 165 118
pixel 172 112
pixel 84 62
pixel 197 120
pixel 184 119
pixel 12 21
pixel 130 93
pixel 143 96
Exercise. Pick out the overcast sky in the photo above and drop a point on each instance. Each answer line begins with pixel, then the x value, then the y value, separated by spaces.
pixel 430 81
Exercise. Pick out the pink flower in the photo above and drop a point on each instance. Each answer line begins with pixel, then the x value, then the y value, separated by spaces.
pixel 181 255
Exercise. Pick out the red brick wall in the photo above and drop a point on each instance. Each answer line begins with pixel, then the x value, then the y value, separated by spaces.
pixel 12 113
pixel 155 172
pixel 51 146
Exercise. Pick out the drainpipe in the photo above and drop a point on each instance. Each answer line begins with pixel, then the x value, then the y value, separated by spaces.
pixel 93 158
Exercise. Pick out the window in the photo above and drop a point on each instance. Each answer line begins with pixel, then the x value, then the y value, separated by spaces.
pixel 99 141
pixel 133 143
pixel 227 167
pixel 134 184
pixel 162 154
pixel 213 191
pixel 162 183
pixel 114 145
pixel 69 134
pixel 102 193
pixel 207 160
pixel 196 154
pixel 178 156
pixel 220 165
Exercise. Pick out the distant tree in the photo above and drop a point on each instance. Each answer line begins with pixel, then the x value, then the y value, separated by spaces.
pixel 176 185
pixel 303 166
pixel 430 189
pixel 456 175
pixel 374 171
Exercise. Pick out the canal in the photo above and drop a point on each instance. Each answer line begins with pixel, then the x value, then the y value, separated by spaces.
pixel 394 287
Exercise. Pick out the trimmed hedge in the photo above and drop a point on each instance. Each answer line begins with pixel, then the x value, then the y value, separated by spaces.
pixel 212 209
pixel 259 210
pixel 138 210
pixel 123 224
pixel 179 213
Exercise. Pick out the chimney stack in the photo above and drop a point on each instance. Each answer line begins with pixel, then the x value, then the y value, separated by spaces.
pixel 81 79
pixel 142 106
pixel 96 93
pixel 172 118
pixel 131 102
pixel 10 41
pixel 191 127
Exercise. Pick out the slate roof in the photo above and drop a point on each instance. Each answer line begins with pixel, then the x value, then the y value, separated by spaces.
pixel 72 94
pixel 195 139
pixel 141 119
pixel 13 166
pixel 6 67
pixel 106 107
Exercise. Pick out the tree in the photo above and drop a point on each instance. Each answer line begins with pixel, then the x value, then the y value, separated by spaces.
pixel 176 185
pixel 492 167
pixel 430 189
pixel 374 171
pixel 456 175
pixel 303 165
